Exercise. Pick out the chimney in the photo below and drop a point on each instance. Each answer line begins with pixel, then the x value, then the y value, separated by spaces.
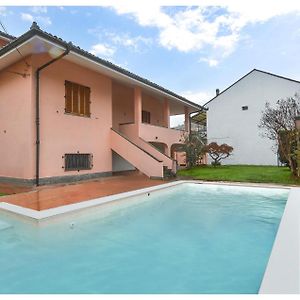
pixel 217 92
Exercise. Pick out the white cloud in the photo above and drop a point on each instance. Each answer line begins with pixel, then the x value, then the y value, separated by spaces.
pixel 3 11
pixel 27 17
pixel 210 61
pixel 128 41
pixel 216 24
pixel 39 9
pixel 44 20
pixel 103 50
pixel 136 43
pixel 199 97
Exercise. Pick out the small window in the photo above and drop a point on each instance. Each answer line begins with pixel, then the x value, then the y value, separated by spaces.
pixel 77 99
pixel 244 107
pixel 146 117
pixel 78 161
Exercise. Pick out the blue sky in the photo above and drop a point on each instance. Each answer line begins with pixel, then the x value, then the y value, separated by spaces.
pixel 190 50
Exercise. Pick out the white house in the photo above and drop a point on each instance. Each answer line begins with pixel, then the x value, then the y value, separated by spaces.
pixel 234 114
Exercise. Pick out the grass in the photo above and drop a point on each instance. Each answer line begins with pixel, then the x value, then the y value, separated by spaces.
pixel 2 194
pixel 242 173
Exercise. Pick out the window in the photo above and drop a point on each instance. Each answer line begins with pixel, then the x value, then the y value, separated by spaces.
pixel 244 107
pixel 146 116
pixel 77 99
pixel 78 161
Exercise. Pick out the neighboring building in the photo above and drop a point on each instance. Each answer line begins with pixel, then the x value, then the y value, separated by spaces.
pixel 80 116
pixel 234 114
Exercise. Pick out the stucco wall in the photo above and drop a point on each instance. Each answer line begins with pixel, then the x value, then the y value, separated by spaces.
pixel 122 104
pixel 228 123
pixel 16 122
pixel 62 133
pixel 155 107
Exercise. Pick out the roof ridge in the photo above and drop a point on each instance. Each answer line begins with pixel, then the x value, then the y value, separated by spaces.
pixel 276 75
pixel 241 78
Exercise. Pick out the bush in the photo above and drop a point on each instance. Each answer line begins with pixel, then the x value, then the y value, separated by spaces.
pixel 218 152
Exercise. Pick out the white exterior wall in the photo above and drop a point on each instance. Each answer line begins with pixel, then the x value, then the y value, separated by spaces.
pixel 228 123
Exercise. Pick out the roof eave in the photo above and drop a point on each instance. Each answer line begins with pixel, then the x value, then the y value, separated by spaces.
pixel 77 50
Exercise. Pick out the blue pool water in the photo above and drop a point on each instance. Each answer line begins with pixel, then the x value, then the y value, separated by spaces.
pixel 190 238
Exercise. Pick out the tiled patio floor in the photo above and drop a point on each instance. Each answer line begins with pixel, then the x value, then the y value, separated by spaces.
pixel 54 196
pixel 8 189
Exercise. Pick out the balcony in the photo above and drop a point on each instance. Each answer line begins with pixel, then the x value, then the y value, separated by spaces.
pixel 154 134
pixel 160 134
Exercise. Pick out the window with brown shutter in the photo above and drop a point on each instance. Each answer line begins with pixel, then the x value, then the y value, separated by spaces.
pixel 146 117
pixel 77 99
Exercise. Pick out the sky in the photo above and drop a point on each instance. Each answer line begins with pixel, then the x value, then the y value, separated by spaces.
pixel 191 50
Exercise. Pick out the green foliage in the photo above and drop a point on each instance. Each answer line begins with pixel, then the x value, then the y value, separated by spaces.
pixel 278 124
pixel 193 147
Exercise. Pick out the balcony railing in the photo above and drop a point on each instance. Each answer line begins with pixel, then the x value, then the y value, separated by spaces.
pixel 161 134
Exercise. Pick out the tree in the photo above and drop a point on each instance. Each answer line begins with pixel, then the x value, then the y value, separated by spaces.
pixel 278 124
pixel 218 152
pixel 193 148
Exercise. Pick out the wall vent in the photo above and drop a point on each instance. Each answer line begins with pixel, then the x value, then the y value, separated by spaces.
pixel 78 161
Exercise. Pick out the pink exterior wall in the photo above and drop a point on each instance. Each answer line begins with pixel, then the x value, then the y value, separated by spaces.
pixel 16 122
pixel 156 109
pixel 3 42
pixel 144 162
pixel 164 135
pixel 122 104
pixel 62 133
pixel 181 158
pixel 130 131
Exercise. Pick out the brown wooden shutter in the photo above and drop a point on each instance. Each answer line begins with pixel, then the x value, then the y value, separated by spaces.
pixel 82 100
pixel 75 98
pixel 68 97
pixel 146 117
pixel 87 102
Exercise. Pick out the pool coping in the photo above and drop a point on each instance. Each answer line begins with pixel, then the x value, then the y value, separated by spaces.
pixel 64 209
pixel 69 208
pixel 282 275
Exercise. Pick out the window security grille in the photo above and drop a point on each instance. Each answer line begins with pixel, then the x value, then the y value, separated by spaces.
pixel 78 161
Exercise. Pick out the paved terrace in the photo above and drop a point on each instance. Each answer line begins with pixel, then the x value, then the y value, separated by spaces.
pixel 53 196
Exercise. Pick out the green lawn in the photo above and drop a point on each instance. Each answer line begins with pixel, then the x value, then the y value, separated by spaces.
pixel 2 194
pixel 242 173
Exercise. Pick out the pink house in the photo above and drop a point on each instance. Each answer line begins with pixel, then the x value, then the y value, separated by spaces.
pixel 67 115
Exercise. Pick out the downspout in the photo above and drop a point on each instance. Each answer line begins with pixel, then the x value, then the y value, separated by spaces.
pixel 37 111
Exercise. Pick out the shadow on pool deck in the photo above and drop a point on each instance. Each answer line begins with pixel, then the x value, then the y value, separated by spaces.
pixel 53 196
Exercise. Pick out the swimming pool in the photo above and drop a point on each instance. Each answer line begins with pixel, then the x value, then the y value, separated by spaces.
pixel 191 238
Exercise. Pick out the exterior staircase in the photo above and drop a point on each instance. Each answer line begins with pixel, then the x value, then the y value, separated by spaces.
pixel 142 155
